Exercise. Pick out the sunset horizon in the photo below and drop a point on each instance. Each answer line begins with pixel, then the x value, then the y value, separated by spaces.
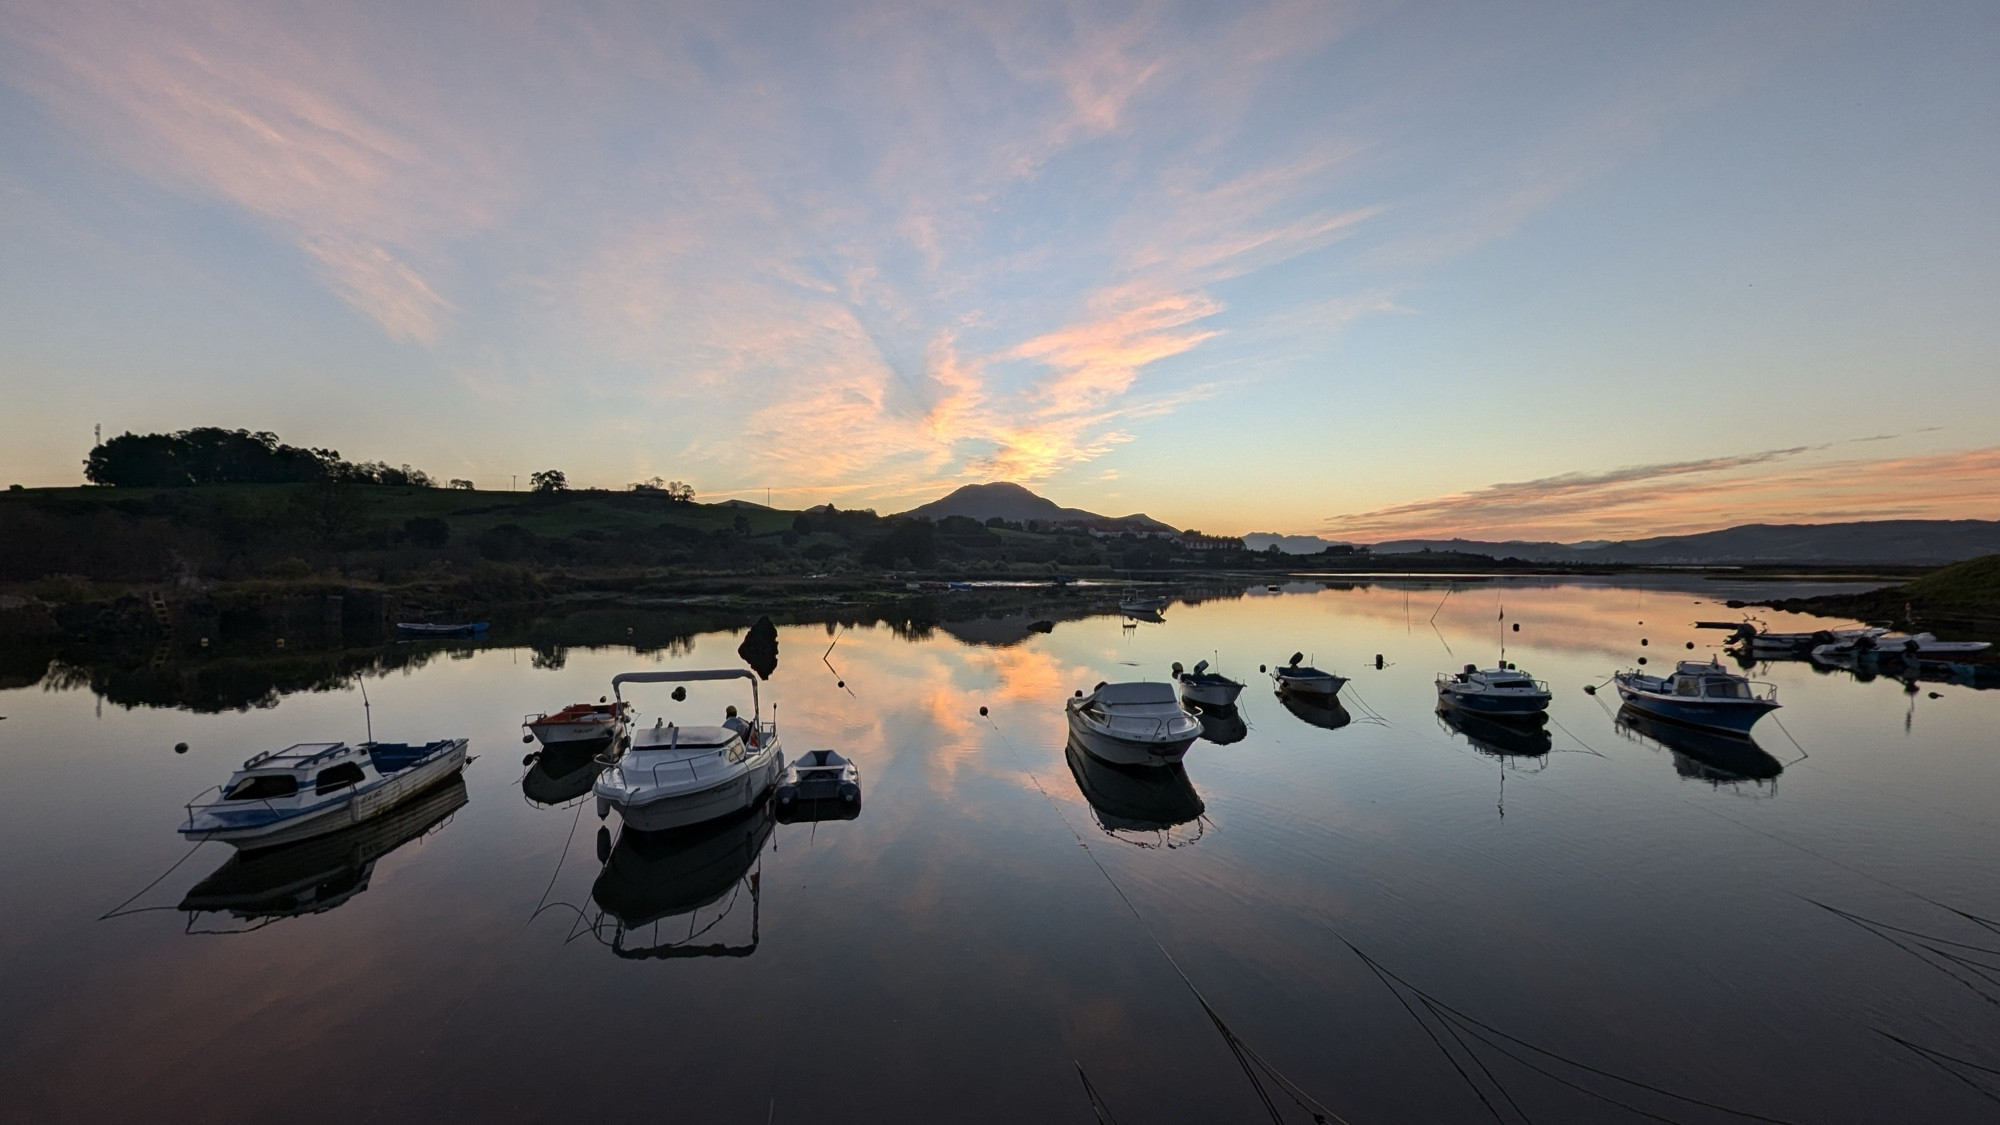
pixel 1312 269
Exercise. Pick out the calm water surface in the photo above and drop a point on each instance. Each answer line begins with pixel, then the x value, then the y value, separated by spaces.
pixel 1398 920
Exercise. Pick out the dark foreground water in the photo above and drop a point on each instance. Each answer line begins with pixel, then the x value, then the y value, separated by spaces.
pixel 1390 917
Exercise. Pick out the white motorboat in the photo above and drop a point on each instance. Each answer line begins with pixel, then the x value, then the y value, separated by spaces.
pixel 1699 694
pixel 1305 680
pixel 1137 601
pixel 314 788
pixel 1209 689
pixel 1767 644
pixel 1132 724
pixel 672 775
pixel 1502 691
pixel 1885 643
pixel 262 885
pixel 578 723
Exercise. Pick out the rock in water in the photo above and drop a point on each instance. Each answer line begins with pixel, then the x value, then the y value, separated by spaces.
pixel 760 648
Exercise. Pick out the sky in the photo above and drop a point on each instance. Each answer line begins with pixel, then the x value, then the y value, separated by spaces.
pixel 1365 270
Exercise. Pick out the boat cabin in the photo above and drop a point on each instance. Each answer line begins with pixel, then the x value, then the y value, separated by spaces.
pixel 316 767
pixel 1699 679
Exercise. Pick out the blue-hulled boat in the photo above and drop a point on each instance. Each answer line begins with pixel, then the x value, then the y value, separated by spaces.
pixel 314 788
pixel 1699 694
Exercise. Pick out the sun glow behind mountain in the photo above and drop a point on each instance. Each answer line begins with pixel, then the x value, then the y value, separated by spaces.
pixel 1298 266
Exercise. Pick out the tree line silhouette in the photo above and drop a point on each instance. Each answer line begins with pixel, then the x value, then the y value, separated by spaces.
pixel 213 455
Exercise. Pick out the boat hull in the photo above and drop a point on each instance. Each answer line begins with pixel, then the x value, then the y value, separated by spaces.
pixel 681 809
pixel 356 809
pixel 1493 704
pixel 1211 695
pixel 1729 716
pixel 1323 689
pixel 1128 752
pixel 571 734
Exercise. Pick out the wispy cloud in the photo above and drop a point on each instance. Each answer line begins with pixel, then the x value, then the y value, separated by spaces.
pixel 231 101
pixel 1686 496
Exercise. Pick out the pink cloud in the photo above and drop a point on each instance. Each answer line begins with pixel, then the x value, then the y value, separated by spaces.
pixel 230 101
pixel 1688 496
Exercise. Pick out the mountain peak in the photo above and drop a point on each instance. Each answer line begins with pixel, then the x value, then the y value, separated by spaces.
pixel 1009 501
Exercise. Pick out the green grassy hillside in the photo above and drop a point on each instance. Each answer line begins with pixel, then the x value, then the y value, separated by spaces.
pixel 1972 585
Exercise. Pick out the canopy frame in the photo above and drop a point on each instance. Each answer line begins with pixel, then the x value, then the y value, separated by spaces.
pixel 684 676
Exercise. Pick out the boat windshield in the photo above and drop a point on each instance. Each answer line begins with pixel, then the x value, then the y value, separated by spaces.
pixel 263 786
pixel 1719 688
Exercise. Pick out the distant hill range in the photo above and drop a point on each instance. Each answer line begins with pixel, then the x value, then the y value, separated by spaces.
pixel 1015 504
pixel 1916 542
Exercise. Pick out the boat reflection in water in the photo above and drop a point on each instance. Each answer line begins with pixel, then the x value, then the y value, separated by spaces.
pixel 1910 670
pixel 312 876
pixel 1220 725
pixel 1707 755
pixel 700 873
pixel 1311 709
pixel 563 772
pixel 1521 737
pixel 1140 805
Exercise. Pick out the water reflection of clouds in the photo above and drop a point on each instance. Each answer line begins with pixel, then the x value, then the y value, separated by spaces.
pixel 978 948
pixel 1566 618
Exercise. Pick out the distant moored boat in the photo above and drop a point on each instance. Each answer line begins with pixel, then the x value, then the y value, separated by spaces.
pixel 422 629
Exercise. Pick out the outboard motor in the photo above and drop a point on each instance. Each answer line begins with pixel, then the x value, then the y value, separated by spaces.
pixel 1296 657
pixel 1177 668
pixel 1200 667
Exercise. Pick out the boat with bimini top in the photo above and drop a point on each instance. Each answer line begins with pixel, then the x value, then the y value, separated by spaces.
pixel 669 775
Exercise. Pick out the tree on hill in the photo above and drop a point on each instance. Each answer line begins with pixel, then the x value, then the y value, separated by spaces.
pixel 212 455
pixel 205 455
pixel 549 480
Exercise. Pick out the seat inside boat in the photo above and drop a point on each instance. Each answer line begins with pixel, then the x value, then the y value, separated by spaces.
pixel 694 738
pixel 388 757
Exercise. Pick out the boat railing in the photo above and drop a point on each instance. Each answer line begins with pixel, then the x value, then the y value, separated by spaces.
pixel 693 774
pixel 196 805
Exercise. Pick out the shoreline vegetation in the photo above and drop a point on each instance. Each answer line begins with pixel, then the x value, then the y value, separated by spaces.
pixel 207 536
pixel 128 562
pixel 1962 598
